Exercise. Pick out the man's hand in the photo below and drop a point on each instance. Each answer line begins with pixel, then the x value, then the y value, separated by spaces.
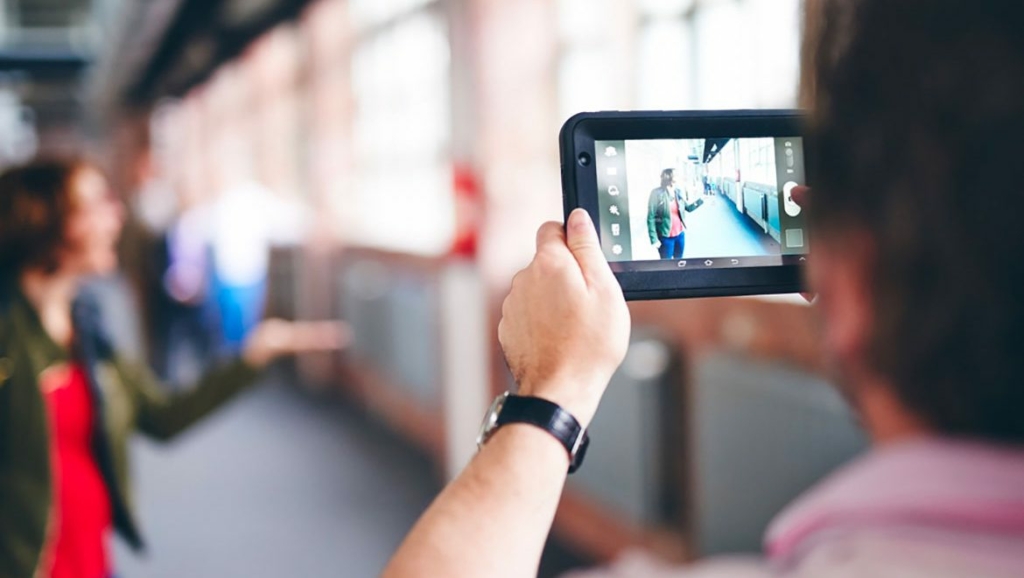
pixel 802 196
pixel 565 326
pixel 565 329
pixel 276 338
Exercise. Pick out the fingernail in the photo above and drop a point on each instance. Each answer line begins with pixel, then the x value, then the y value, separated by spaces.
pixel 580 220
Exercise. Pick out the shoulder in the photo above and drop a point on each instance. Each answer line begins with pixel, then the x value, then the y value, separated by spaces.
pixel 7 303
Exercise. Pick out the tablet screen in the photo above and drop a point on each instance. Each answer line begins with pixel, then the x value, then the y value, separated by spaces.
pixel 700 203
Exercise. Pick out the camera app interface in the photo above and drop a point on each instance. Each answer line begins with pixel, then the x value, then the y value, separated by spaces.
pixel 700 203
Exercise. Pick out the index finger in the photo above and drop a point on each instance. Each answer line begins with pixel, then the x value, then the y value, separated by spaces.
pixel 801 195
pixel 550 233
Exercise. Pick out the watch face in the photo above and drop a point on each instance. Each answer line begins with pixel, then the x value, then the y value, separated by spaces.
pixel 491 419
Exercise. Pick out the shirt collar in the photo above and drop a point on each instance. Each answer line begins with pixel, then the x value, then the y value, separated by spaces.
pixel 936 483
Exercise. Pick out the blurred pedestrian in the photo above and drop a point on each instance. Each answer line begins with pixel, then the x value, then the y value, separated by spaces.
pixel 244 222
pixel 185 340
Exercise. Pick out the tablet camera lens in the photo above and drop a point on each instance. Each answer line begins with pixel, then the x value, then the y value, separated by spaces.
pixel 584 160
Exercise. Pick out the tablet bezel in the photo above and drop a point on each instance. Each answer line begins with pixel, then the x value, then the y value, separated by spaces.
pixel 579 189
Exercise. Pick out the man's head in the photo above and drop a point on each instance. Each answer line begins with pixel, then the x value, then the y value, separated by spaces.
pixel 917 135
pixel 668 178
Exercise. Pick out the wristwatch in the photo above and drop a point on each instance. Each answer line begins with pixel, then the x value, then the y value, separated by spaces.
pixel 548 416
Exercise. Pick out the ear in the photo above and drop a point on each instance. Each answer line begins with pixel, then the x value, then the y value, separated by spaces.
pixel 838 273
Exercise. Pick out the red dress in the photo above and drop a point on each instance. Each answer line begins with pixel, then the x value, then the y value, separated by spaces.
pixel 81 516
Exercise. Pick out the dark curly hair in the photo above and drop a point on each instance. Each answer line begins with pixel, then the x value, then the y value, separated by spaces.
pixel 917 138
pixel 35 205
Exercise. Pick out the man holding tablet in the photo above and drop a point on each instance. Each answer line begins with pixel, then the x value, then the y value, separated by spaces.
pixel 911 102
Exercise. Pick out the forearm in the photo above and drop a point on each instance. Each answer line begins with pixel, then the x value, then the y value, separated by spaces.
pixel 564 330
pixel 163 417
pixel 493 520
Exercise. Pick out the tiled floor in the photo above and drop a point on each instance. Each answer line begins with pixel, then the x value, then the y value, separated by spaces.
pixel 718 230
pixel 280 484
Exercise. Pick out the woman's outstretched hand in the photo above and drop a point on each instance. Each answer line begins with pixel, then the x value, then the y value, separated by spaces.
pixel 275 338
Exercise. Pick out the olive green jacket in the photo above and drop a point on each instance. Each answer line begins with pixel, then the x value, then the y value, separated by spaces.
pixel 127 398
pixel 659 214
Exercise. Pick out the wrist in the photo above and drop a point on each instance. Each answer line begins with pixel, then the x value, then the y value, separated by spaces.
pixel 543 414
pixel 255 356
pixel 541 445
pixel 578 396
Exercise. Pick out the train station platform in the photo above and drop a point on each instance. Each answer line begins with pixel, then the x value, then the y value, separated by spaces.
pixel 717 229
pixel 282 483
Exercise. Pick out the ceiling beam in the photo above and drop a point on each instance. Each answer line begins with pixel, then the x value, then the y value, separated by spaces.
pixel 203 35
pixel 43 63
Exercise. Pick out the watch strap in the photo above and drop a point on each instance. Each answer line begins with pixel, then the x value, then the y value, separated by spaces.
pixel 551 418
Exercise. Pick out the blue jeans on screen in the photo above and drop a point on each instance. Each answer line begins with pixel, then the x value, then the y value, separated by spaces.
pixel 672 247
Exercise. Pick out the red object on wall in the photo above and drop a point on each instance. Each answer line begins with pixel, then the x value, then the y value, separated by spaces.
pixel 469 213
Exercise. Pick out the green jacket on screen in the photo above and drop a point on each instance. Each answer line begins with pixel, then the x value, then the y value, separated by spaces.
pixel 659 211
pixel 127 399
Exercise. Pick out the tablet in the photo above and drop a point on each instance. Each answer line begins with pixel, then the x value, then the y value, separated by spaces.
pixel 691 204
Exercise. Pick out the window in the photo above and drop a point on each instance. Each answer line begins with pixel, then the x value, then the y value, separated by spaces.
pixel 665 64
pixel 717 54
pixel 367 14
pixel 587 79
pixel 402 187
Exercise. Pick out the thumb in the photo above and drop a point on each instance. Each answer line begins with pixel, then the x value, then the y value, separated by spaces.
pixel 581 237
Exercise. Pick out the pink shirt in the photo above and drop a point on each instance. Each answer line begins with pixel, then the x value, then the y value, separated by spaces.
pixel 926 508
pixel 677 222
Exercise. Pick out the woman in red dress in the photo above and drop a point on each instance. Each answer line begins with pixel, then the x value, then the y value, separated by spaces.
pixel 68 402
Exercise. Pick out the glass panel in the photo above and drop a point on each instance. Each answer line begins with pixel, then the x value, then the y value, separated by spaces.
pixel 724 57
pixel 586 79
pixel 369 13
pixel 775 32
pixel 747 53
pixel 401 131
pixel 665 67
pixel 583 81
pixel 583 20
pixel 664 7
